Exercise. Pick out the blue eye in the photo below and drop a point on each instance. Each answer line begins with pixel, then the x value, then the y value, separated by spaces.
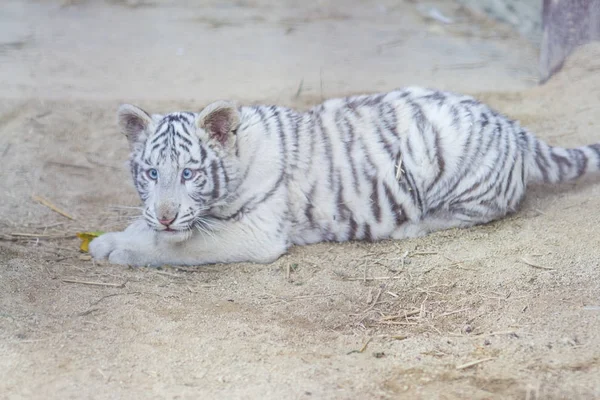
pixel 152 174
pixel 187 174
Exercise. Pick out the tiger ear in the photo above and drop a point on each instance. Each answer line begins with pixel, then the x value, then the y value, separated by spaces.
pixel 133 123
pixel 219 120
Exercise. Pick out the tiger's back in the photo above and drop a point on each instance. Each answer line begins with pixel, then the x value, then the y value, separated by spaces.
pixel 402 164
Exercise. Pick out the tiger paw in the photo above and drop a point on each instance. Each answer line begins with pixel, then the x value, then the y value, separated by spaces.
pixel 127 257
pixel 101 247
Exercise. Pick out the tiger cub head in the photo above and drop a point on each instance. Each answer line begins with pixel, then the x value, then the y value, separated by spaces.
pixel 182 164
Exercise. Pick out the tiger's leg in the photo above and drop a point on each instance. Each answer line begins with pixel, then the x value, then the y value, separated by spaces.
pixel 426 226
pixel 458 217
pixel 233 241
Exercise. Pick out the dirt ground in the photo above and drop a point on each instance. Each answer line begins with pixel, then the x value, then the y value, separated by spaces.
pixel 519 298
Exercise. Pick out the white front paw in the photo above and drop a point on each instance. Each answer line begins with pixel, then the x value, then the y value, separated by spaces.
pixel 126 257
pixel 102 246
pixel 119 248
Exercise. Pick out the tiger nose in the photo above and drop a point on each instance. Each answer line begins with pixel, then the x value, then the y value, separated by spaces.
pixel 166 221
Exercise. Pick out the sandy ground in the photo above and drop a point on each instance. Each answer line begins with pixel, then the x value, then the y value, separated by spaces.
pixel 389 320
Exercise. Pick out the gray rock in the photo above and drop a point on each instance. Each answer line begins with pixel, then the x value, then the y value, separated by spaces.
pixel 524 15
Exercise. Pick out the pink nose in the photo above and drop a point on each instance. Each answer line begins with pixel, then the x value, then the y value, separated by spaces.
pixel 167 221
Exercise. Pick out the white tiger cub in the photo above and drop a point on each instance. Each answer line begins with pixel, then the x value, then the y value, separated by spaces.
pixel 233 184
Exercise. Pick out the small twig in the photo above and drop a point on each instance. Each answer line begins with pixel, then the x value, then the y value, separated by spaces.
pixel 399 170
pixel 11 238
pixel 112 295
pixel 453 312
pixel 169 274
pixel 87 312
pixel 115 285
pixel 288 272
pixel 376 299
pixel 51 206
pixel 499 333
pixel 41 236
pixel 29 235
pixel 373 302
pixel 375 278
pixel 363 348
pixel 424 253
pixel 405 315
pixel 67 165
pixel 459 264
pixel 524 261
pixel 473 363
pixel 201 286
pixel 299 88
pixel 309 296
pixel 312 296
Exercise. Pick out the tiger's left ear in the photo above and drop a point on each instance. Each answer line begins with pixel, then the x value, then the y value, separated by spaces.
pixel 133 123
pixel 219 120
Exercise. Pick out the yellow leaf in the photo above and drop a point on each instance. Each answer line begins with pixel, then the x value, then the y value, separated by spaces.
pixel 86 238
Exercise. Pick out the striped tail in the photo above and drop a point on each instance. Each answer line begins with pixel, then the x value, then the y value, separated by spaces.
pixel 549 164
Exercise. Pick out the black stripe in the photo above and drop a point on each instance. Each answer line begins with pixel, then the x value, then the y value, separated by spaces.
pixel 352 229
pixel 159 136
pixel 421 122
pixel 283 141
pixel 397 209
pixel 215 180
pixel 348 138
pixel 328 150
pixel 183 138
pixel 439 157
pixel 563 164
pixel 294 126
pixel 484 120
pixel 387 146
pixel 540 160
pixel 500 160
pixel 224 170
pixel 343 211
pixel 510 177
pixel 375 206
pixel 408 185
pixel 580 159
pixel 263 119
pixel 308 211
pixel 455 117
pixel 475 158
pixel 436 96
pixel 367 232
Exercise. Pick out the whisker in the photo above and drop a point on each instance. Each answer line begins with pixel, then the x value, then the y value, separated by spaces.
pixel 203 229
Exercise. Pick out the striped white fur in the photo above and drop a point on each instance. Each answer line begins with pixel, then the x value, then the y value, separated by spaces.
pixel 237 184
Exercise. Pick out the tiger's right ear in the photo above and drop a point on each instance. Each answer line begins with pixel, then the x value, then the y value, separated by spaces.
pixel 133 123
